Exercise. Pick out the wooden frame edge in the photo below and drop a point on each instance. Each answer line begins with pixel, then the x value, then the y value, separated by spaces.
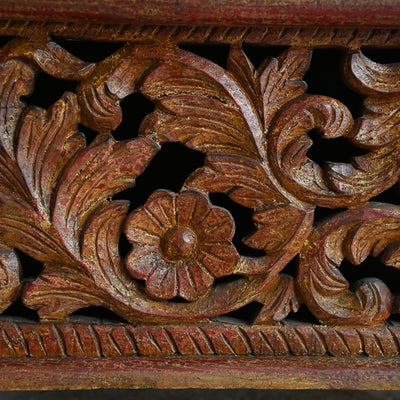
pixel 201 372
pixel 352 13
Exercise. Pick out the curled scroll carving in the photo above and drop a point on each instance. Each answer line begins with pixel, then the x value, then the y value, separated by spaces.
pixel 252 125
pixel 337 184
pixel 353 235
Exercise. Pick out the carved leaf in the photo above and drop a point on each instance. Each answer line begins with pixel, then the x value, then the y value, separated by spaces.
pixel 369 77
pixel 337 183
pixel 20 60
pixel 103 169
pixel 12 182
pixel 47 142
pixel 367 175
pixel 277 225
pixel 42 154
pixel 16 80
pixel 115 78
pixel 245 73
pixel 281 80
pixel 244 180
pixel 99 249
pixel 380 123
pixel 49 57
pixel 25 229
pixel 10 273
pixel 327 279
pixel 289 144
pixel 56 61
pixel 276 82
pixel 58 292
pixel 279 300
pixel 196 109
pixel 357 244
pixel 391 255
pixel 99 110
pixel 354 235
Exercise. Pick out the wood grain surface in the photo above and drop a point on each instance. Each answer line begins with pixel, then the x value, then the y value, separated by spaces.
pixel 337 13
pixel 201 372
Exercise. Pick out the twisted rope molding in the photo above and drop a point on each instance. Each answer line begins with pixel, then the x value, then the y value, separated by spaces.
pixel 67 339
pixel 353 38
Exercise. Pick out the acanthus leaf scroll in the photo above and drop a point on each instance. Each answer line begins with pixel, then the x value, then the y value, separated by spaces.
pixel 252 125
pixel 353 235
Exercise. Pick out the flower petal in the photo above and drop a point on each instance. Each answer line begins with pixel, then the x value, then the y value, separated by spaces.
pixel 162 283
pixel 194 280
pixel 219 258
pixel 159 193
pixel 218 226
pixel 142 227
pixel 141 236
pixel 191 208
pixel 161 205
pixel 142 261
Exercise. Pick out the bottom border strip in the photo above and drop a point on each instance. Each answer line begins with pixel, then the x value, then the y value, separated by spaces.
pixel 201 372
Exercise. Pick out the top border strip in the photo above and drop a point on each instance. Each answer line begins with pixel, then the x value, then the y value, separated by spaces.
pixel 290 13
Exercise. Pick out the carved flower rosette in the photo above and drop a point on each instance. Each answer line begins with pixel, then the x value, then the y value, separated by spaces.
pixel 252 125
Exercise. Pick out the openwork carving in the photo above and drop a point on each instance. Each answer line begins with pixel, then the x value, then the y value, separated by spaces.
pixel 253 126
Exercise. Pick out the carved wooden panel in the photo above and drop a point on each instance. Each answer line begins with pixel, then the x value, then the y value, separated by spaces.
pixel 169 268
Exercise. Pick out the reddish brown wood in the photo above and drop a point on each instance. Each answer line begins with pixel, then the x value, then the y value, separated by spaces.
pixel 352 235
pixel 202 372
pixel 354 13
pixel 183 273
pixel 353 38
pixel 63 186
pixel 102 339
pixel 181 243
